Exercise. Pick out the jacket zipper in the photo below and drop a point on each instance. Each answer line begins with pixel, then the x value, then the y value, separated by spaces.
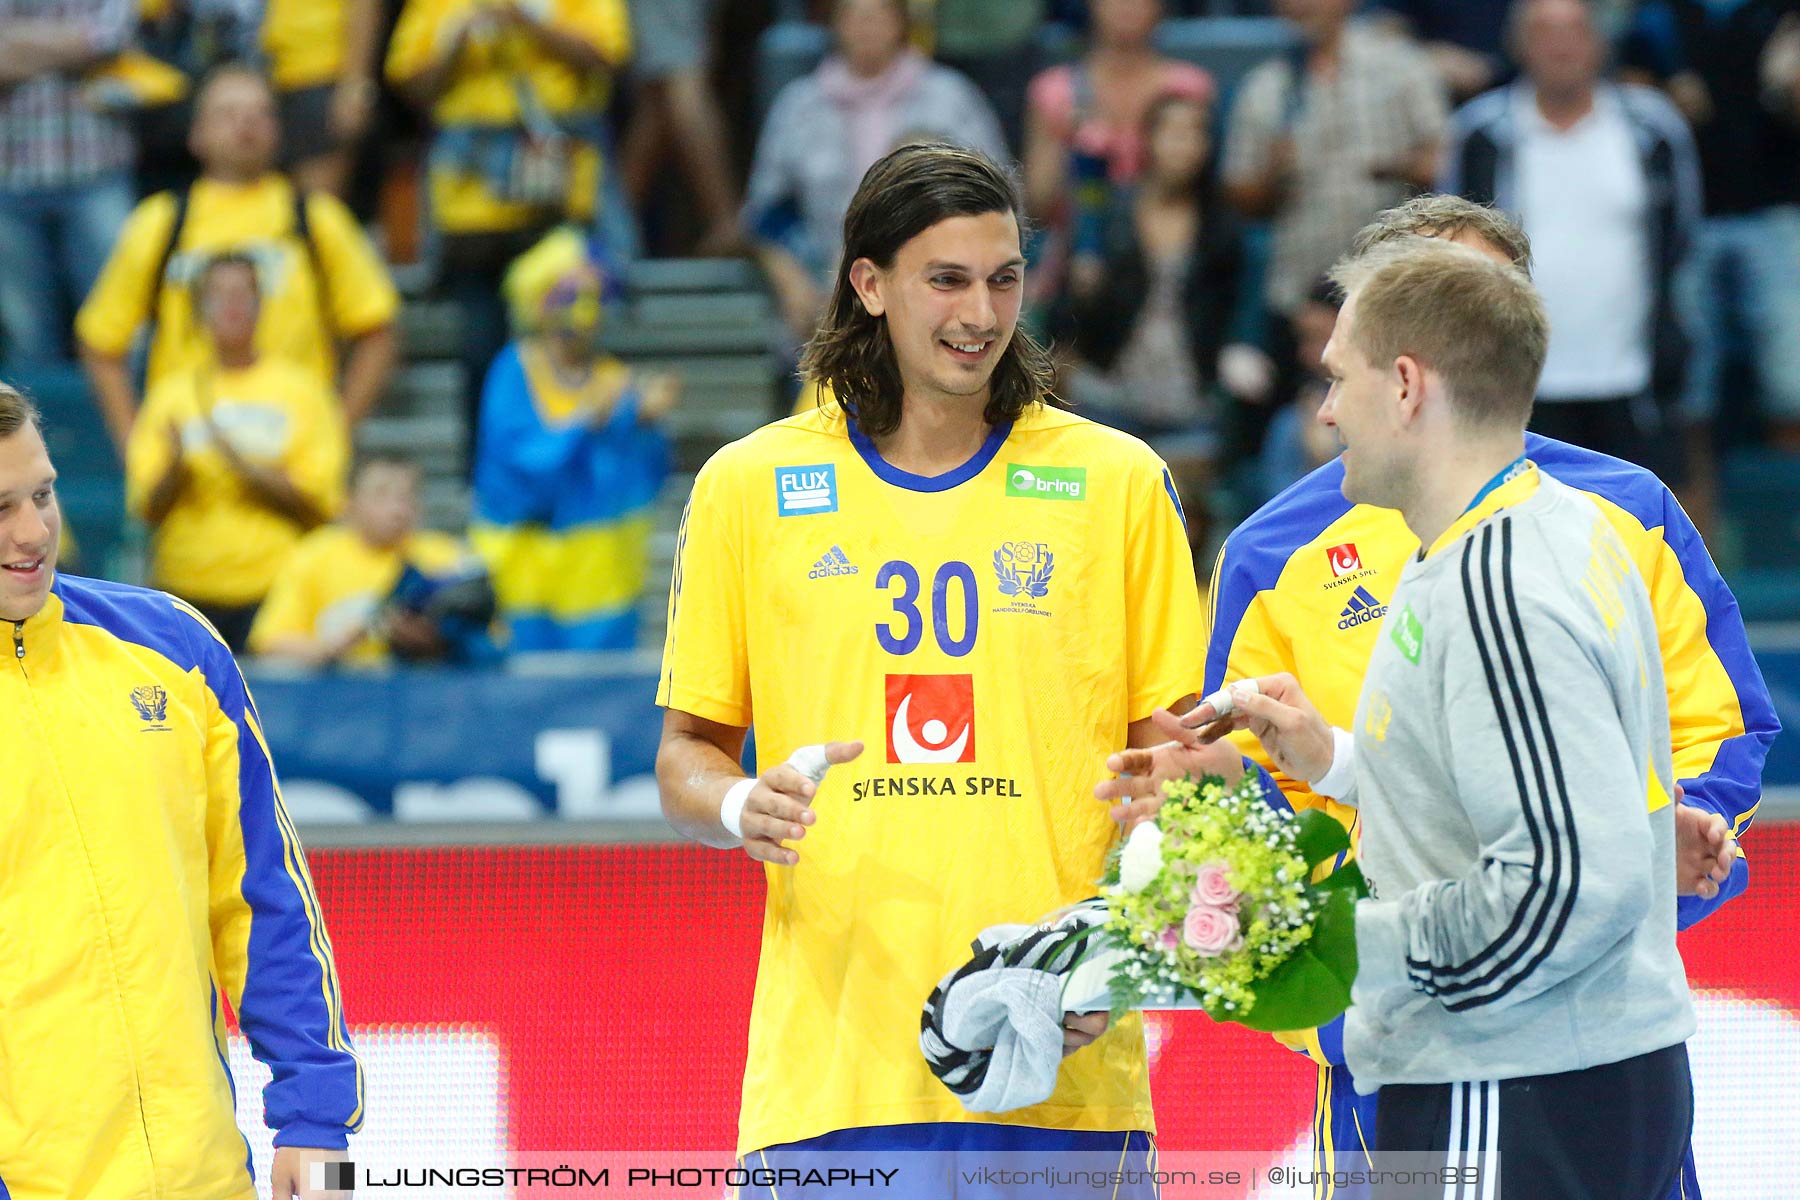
pixel 136 1077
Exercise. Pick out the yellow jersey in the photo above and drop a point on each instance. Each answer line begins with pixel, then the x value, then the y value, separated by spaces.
pixel 218 545
pixel 257 219
pixel 989 634
pixel 504 78
pixel 334 581
pixel 304 41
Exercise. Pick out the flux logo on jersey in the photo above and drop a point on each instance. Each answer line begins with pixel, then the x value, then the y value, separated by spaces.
pixel 803 490
pixel 1362 609
pixel 931 718
pixel 1344 560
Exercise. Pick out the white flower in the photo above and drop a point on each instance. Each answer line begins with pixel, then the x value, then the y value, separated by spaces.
pixel 1141 861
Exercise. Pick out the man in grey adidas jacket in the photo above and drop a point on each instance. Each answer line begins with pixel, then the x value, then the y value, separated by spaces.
pixel 1519 991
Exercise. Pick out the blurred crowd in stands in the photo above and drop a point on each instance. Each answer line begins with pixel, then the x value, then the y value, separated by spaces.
pixel 217 208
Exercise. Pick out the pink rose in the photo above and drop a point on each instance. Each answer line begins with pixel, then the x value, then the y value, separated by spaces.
pixel 1212 931
pixel 1213 887
pixel 1171 938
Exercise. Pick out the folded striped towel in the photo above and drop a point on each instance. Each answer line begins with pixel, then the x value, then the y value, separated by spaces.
pixel 992 1029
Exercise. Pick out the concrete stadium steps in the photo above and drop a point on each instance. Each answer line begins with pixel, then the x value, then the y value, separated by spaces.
pixel 422 386
pixel 431 439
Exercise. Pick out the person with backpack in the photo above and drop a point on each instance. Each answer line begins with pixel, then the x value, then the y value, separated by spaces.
pixel 233 460
pixel 322 282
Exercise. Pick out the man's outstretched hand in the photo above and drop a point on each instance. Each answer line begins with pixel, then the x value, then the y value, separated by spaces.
pixel 1142 771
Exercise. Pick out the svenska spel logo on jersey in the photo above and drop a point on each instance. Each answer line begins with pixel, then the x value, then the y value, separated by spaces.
pixel 931 718
pixel 1362 609
pixel 803 490
pixel 1344 560
pixel 1046 483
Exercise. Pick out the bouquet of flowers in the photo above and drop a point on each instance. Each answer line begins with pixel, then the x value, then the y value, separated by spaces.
pixel 1211 906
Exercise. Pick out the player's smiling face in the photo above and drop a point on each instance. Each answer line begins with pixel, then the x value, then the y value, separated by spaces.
pixel 951 300
pixel 30 524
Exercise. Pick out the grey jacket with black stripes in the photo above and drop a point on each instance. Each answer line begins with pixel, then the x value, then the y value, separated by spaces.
pixel 1514 778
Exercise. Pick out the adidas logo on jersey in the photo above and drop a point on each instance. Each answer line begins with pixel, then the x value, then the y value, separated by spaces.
pixel 834 563
pixel 1362 609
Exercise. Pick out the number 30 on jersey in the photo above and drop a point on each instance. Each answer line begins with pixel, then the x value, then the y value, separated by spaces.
pixel 952 588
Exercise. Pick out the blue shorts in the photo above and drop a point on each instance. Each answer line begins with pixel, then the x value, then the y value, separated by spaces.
pixel 968 1161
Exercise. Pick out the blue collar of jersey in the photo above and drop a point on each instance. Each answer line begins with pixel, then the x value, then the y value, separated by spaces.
pixel 1508 473
pixel 889 473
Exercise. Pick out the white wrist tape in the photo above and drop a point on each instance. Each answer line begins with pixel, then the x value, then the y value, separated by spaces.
pixel 731 810
pixel 810 761
pixel 1339 783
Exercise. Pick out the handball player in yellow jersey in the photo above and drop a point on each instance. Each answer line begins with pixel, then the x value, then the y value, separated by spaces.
pixel 961 599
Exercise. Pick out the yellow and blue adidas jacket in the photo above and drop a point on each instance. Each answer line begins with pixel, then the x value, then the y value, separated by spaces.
pixel 149 876
pixel 1302 586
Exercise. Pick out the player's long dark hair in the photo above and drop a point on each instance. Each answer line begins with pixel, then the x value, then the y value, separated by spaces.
pixel 903 195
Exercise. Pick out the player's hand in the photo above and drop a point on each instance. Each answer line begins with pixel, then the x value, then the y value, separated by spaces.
pixel 1142 771
pixel 779 808
pixel 1080 1029
pixel 290 1174
pixel 1290 729
pixel 1704 850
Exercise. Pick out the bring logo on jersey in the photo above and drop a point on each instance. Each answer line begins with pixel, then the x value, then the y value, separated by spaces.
pixel 931 718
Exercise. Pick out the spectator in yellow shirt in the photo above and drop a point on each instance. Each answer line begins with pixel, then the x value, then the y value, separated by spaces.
pixel 233 460
pixel 330 604
pixel 518 92
pixel 323 58
pixel 321 280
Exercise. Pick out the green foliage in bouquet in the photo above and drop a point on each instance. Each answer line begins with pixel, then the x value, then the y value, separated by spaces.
pixel 1213 900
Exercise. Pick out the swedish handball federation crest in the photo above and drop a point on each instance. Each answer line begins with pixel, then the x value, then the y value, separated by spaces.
pixel 1024 568
pixel 151 702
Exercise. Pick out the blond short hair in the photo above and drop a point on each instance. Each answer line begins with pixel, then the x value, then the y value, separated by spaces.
pixel 1440 215
pixel 1480 325
pixel 16 412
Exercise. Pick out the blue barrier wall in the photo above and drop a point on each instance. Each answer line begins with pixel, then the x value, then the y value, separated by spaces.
pixel 463 745
pixel 435 745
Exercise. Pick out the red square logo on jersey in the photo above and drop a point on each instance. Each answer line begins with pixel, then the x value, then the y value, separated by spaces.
pixel 931 718
pixel 1344 559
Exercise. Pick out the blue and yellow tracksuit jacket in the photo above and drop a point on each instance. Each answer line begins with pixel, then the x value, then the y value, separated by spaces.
pixel 149 875
pixel 1302 586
